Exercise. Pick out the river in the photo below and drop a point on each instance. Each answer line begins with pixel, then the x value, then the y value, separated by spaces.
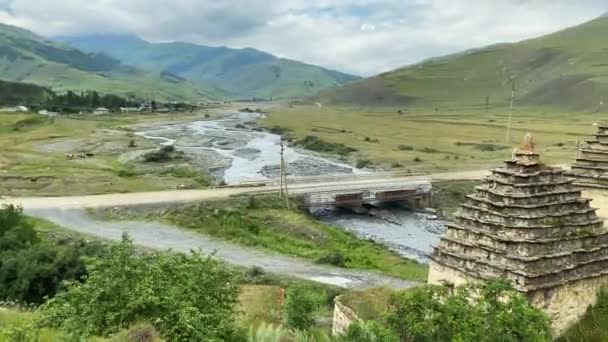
pixel 235 151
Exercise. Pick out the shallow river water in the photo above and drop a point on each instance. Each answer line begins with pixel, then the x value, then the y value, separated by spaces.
pixel 235 152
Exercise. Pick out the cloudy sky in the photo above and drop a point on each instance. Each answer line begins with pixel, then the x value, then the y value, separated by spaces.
pixel 359 36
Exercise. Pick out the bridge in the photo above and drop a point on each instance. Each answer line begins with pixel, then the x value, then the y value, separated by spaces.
pixel 345 190
pixel 357 189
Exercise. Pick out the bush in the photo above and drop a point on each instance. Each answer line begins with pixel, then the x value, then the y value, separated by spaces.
pixel 186 297
pixel 371 331
pixel 405 148
pixel 481 312
pixel 428 150
pixel 363 163
pixel 314 143
pixel 163 154
pixel 334 258
pixel 417 159
pixel 300 306
pixel 32 269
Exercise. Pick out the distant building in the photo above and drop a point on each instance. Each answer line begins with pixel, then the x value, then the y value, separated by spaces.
pixel 15 109
pixel 47 113
pixel 130 109
pixel 101 111
pixel 162 110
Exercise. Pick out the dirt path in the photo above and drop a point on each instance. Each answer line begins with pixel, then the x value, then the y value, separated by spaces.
pixel 161 236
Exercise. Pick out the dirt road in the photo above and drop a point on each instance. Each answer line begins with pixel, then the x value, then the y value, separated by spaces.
pixel 161 236
pixel 70 213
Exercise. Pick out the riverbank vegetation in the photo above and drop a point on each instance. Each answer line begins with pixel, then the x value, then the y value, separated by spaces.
pixel 35 158
pixel 429 141
pixel 264 222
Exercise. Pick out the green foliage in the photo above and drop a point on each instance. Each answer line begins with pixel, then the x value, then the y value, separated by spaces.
pixel 30 122
pixel 363 163
pixel 487 312
pixel 32 269
pixel 314 143
pixel 163 154
pixel 371 331
pixel 15 93
pixel 186 297
pixel 592 326
pixel 333 258
pixel 300 306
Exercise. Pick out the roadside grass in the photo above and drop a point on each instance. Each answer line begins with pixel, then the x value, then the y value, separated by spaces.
pixel 426 141
pixel 33 159
pixel 263 222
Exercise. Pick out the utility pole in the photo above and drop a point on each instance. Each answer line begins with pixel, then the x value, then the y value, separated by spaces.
pixel 284 193
pixel 510 112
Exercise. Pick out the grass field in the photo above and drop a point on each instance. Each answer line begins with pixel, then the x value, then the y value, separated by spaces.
pixel 266 225
pixel 423 141
pixel 33 158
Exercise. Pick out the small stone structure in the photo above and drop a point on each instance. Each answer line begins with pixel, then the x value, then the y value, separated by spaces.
pixel 343 317
pixel 528 224
pixel 590 171
pixel 591 167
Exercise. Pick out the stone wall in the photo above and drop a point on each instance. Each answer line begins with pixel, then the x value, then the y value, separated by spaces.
pixel 343 317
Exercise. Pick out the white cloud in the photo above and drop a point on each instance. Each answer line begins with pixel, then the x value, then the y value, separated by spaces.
pixel 364 37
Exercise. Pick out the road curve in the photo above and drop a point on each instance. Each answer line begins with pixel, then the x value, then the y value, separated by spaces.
pixel 70 213
pixel 164 237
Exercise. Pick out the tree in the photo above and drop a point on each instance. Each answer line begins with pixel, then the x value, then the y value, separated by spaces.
pixel 483 312
pixel 300 306
pixel 186 297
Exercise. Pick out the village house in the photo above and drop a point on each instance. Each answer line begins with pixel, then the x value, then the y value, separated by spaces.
pixel 101 111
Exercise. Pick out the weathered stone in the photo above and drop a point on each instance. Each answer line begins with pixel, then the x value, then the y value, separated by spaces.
pixel 528 224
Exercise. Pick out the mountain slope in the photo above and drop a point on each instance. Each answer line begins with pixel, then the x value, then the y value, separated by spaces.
pixel 14 93
pixel 246 72
pixel 26 57
pixel 567 69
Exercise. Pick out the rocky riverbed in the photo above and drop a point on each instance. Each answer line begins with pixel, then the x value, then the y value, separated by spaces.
pixel 233 151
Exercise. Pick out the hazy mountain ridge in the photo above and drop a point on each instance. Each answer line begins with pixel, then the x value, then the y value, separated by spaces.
pixel 26 57
pixel 244 72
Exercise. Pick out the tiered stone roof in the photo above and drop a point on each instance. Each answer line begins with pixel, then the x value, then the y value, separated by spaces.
pixel 526 223
pixel 591 168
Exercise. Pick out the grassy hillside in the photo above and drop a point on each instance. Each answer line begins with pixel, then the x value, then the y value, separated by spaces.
pixel 243 72
pixel 566 70
pixel 25 57
pixel 12 93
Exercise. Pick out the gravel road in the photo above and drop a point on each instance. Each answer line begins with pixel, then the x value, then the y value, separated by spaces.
pixel 161 236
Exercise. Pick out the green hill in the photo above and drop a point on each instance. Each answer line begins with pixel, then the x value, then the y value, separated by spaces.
pixel 566 70
pixel 14 93
pixel 26 57
pixel 243 72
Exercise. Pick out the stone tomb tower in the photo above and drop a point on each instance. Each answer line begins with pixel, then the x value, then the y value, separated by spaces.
pixel 590 171
pixel 528 224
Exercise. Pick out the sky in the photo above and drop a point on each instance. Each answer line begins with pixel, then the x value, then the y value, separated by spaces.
pixel 356 36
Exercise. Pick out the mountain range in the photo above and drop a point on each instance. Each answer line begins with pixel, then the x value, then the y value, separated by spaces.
pixel 240 72
pixel 28 58
pixel 567 69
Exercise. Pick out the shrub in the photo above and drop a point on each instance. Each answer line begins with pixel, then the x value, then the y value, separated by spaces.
pixel 428 150
pixel 371 331
pixel 164 154
pixel 314 143
pixel 300 306
pixel 481 312
pixel 363 163
pixel 186 297
pixel 333 258
pixel 417 159
pixel 405 148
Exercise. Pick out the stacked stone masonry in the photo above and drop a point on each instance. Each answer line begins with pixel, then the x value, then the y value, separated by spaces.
pixel 591 167
pixel 528 223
